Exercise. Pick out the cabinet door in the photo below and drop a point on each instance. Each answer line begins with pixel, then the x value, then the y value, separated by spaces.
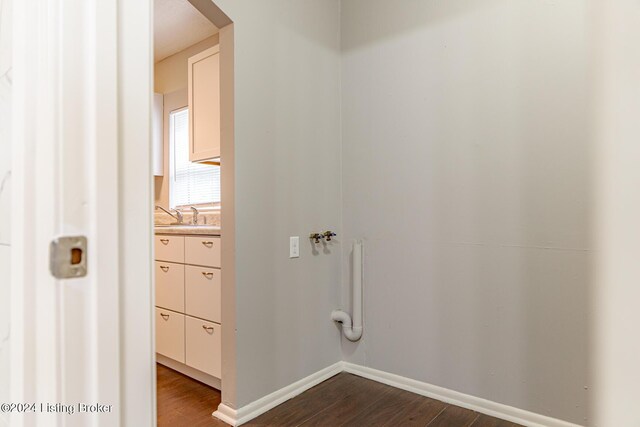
pixel 170 340
pixel 170 286
pixel 202 250
pixel 204 105
pixel 157 134
pixel 169 248
pixel 204 340
pixel 202 292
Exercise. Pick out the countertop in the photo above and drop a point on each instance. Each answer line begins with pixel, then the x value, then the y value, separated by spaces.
pixel 208 230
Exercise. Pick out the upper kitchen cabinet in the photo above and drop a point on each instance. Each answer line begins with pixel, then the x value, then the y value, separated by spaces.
pixel 204 105
pixel 157 140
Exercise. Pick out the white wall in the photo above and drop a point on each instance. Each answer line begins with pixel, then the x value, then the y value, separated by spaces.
pixel 287 181
pixel 5 199
pixel 466 170
pixel 617 346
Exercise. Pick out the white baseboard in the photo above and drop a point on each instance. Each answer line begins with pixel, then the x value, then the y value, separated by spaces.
pixel 483 406
pixel 252 410
pixel 227 414
pixel 487 407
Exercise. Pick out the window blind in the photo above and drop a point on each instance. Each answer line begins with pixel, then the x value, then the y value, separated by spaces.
pixel 191 183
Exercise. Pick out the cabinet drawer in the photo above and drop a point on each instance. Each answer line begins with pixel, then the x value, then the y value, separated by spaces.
pixel 170 285
pixel 202 251
pixel 169 248
pixel 202 292
pixel 203 341
pixel 170 334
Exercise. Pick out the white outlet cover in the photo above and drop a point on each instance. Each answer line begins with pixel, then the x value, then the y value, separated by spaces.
pixel 294 247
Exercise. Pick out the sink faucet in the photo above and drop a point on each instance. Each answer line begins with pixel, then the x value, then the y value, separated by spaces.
pixel 195 215
pixel 177 216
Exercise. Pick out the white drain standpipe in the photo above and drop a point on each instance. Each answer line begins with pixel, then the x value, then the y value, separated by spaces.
pixel 352 327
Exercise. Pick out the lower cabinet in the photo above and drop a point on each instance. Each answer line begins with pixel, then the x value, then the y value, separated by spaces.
pixel 170 334
pixel 203 344
pixel 202 293
pixel 188 303
pixel 170 286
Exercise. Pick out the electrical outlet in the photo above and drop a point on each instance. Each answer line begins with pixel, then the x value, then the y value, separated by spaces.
pixel 294 247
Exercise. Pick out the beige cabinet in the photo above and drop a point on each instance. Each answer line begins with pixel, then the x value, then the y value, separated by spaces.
pixel 203 341
pixel 202 251
pixel 188 304
pixel 170 340
pixel 169 248
pixel 157 134
pixel 170 286
pixel 204 105
pixel 203 292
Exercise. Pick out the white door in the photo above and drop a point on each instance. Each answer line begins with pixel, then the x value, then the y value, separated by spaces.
pixel 81 94
pixel 5 201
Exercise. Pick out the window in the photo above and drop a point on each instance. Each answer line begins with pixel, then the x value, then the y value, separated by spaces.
pixel 191 183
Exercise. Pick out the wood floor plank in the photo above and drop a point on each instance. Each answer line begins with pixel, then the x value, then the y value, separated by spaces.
pixel 454 416
pixel 357 399
pixel 298 410
pixel 383 409
pixel 487 421
pixel 419 414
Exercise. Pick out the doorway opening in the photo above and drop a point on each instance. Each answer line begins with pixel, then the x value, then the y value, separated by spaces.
pixel 192 157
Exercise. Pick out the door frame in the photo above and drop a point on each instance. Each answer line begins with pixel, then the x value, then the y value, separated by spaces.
pixel 82 165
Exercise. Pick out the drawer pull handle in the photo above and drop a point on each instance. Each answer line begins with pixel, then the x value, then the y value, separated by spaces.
pixel 164 316
pixel 164 268
pixel 209 329
pixel 207 275
pixel 164 241
pixel 208 244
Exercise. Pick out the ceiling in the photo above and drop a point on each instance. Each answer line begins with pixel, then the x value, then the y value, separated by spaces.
pixel 177 25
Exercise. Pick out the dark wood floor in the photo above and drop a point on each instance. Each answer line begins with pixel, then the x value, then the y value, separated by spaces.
pixel 183 401
pixel 343 400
